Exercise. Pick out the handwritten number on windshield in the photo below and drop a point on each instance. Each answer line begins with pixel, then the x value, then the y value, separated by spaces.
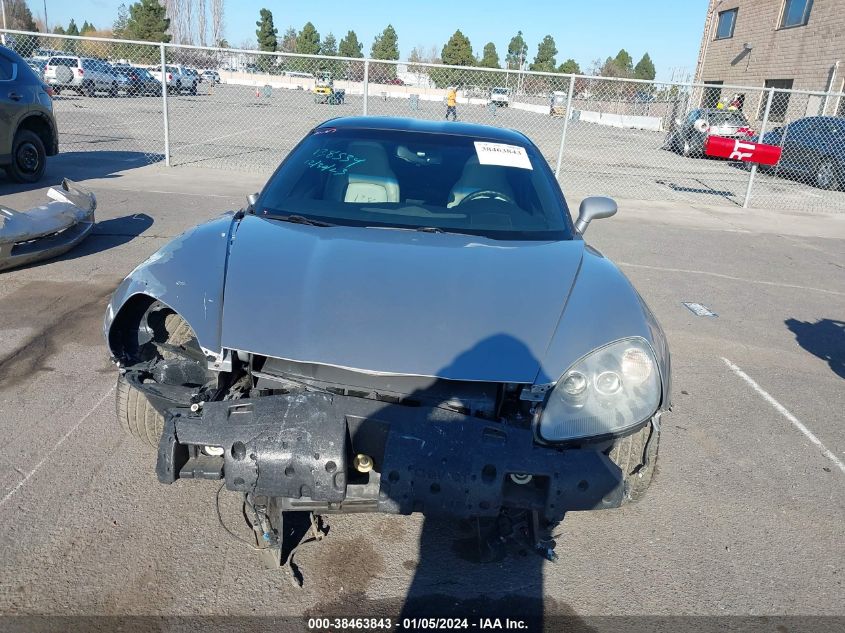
pixel 333 161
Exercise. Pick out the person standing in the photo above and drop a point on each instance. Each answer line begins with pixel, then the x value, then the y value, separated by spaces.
pixel 452 103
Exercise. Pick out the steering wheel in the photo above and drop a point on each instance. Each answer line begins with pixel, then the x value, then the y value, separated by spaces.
pixel 487 193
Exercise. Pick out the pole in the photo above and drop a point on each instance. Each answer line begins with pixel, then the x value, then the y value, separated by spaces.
pixel 3 6
pixel 46 24
pixel 164 107
pixel 565 124
pixel 762 132
pixel 366 84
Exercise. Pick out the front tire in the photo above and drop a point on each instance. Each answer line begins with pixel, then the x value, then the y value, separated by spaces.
pixel 825 176
pixel 29 159
pixel 636 456
pixel 136 416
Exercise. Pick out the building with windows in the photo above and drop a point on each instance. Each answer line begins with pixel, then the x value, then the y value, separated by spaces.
pixel 786 44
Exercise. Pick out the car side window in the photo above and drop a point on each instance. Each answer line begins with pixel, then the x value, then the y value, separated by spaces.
pixel 8 69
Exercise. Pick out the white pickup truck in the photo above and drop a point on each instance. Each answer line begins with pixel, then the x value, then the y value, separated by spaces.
pixel 178 80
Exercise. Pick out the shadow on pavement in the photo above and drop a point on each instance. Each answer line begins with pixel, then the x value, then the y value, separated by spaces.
pixel 825 338
pixel 81 166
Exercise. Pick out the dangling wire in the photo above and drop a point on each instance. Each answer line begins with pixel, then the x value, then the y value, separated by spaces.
pixel 226 528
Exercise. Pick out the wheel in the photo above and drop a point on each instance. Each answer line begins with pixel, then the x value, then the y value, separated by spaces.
pixel 28 157
pixel 193 89
pixel 135 414
pixel 113 90
pixel 89 89
pixel 636 455
pixel 825 176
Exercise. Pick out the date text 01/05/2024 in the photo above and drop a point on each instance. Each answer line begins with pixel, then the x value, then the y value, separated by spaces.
pixel 413 624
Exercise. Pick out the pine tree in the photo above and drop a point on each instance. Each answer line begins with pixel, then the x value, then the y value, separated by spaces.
pixel 267 32
pixel 458 51
pixel 147 21
pixel 644 68
pixel 490 57
pixel 119 26
pixel 350 46
pixel 624 63
pixel 386 44
pixel 545 60
pixel 288 44
pixel 329 45
pixel 72 29
pixel 517 51
pixel 308 40
pixel 87 28
pixel 59 30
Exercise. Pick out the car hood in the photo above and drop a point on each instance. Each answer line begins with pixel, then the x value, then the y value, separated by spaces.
pixel 392 301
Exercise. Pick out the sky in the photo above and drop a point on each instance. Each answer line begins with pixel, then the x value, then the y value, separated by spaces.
pixel 669 30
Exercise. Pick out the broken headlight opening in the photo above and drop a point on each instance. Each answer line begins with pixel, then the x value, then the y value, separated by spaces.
pixel 609 391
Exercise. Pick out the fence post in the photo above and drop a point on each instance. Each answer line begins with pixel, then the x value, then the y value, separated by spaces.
pixel 164 107
pixel 366 84
pixel 565 124
pixel 760 136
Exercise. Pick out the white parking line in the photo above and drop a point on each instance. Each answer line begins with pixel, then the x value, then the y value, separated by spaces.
pixel 785 413
pixel 731 277
pixel 26 478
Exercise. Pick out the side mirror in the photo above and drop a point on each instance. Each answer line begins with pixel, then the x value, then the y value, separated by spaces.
pixel 251 199
pixel 594 208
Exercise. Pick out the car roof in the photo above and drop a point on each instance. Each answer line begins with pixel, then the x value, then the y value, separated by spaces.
pixel 401 124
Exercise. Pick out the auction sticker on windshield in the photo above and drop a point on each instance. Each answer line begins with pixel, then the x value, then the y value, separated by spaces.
pixel 502 154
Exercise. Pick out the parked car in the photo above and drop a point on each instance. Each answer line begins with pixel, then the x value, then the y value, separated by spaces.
pixel 442 339
pixel 177 80
pixel 139 81
pixel 687 135
pixel 812 148
pixel 394 81
pixel 87 76
pixel 28 132
pixel 194 73
pixel 500 97
pixel 37 66
pixel 211 76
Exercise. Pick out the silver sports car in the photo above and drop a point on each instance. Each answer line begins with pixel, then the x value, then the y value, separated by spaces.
pixel 406 319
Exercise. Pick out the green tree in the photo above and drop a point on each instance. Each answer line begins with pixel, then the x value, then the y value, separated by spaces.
pixel 624 63
pixel 308 40
pixel 569 67
pixel 490 57
pixel 544 60
pixel 72 29
pixel 385 44
pixel 266 32
pixel 147 21
pixel 119 26
pixel 288 44
pixel 329 45
pixel 59 30
pixel 517 51
pixel 87 28
pixel 350 47
pixel 458 51
pixel 644 68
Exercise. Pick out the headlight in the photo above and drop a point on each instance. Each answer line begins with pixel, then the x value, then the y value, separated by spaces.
pixel 608 391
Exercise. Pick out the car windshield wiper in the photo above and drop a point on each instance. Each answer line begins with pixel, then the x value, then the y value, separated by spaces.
pixel 429 229
pixel 296 219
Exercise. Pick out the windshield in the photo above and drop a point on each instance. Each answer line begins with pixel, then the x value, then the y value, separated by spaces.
pixel 730 117
pixel 414 180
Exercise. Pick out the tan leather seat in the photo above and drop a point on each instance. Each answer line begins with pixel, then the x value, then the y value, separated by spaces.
pixel 371 181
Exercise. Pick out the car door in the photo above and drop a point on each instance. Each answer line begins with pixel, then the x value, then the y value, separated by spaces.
pixel 793 140
pixel 13 104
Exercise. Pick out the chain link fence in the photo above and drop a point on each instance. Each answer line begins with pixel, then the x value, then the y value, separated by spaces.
pixel 245 110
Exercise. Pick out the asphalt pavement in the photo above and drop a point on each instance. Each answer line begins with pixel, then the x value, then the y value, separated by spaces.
pixel 744 516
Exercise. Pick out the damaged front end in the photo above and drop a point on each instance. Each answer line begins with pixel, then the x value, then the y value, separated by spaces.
pixel 48 230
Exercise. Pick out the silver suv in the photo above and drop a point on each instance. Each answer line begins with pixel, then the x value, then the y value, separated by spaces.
pixel 84 75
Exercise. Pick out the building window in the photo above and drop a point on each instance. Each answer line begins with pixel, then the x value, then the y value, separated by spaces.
pixel 796 13
pixel 727 22
pixel 780 100
pixel 712 94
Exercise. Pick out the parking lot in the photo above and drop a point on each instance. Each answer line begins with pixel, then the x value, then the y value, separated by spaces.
pixel 232 128
pixel 745 514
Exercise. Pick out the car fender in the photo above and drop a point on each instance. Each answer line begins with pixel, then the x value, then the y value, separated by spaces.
pixel 188 275
pixel 603 307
